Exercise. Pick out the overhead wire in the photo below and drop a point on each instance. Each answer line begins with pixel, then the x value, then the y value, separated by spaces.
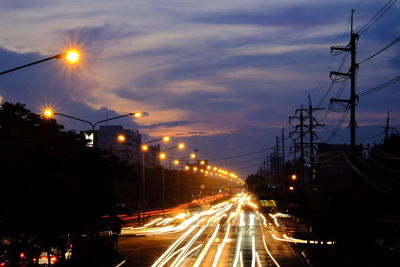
pixel 376 17
pixel 366 178
pixel 380 87
pixel 380 51
pixel 242 155
pixel 241 162
pixel 247 167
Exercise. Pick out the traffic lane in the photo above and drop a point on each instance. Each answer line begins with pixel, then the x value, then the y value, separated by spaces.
pixel 280 250
pixel 144 250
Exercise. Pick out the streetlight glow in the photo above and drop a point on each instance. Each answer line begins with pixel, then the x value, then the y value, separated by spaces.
pixel 176 162
pixel 162 156
pixel 166 139
pixel 72 56
pixel 137 114
pixel 193 155
pixel 294 177
pixel 181 146
pixel 202 162
pixel 121 138
pixel 48 113
pixel 145 147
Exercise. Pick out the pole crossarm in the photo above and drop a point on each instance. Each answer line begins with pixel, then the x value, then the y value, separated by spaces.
pixel 340 74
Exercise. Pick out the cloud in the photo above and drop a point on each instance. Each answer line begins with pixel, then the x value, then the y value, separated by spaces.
pixel 224 75
pixel 173 124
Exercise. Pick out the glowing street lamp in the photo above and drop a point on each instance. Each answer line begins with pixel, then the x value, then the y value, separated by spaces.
pixel 145 147
pixel 163 156
pixel 121 138
pixel 72 56
pixel 294 177
pixel 50 114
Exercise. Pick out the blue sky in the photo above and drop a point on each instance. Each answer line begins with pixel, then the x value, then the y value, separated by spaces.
pixel 224 75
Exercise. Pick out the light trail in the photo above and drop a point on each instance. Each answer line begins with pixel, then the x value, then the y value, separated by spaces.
pixel 173 246
pixel 296 240
pixel 269 253
pixel 253 251
pixel 191 252
pixel 153 222
pixel 264 219
pixel 207 247
pixel 171 256
pixel 221 246
pixel 182 256
pixel 275 219
pixel 237 253
pixel 258 260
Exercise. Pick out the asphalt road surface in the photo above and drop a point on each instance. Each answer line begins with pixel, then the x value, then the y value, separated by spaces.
pixel 230 233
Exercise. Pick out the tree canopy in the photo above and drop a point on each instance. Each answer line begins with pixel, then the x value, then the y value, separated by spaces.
pixel 50 181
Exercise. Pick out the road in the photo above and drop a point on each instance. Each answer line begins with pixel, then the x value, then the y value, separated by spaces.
pixel 230 233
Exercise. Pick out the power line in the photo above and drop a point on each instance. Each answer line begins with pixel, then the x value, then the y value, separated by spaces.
pixel 241 155
pixel 380 51
pixel 241 162
pixel 377 16
pixel 247 167
pixel 380 87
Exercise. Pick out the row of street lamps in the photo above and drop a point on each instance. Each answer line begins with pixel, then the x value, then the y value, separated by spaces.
pixel 73 56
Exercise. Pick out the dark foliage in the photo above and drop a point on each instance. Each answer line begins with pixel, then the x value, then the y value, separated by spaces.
pixel 52 186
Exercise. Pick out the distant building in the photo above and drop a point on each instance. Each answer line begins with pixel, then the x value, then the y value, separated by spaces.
pixel 127 150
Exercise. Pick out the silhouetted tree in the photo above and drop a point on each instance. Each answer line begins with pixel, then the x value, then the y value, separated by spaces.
pixel 52 186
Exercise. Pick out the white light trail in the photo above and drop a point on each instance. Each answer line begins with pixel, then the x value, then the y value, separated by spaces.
pixel 269 253
pixel 238 246
pixel 253 251
pixel 207 247
pixel 221 246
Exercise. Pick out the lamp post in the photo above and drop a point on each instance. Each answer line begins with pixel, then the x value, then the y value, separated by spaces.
pixel 163 156
pixel 72 56
pixel 145 148
pixel 48 113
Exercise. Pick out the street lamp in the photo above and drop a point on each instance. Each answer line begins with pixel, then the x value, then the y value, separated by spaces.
pixel 163 156
pixel 49 113
pixel 144 149
pixel 72 56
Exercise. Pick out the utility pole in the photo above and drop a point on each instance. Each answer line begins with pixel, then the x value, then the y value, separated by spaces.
pixel 283 146
pixel 351 74
pixel 386 131
pixel 300 132
pixel 312 123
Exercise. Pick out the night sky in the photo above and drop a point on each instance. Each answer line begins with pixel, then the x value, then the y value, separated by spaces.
pixel 221 75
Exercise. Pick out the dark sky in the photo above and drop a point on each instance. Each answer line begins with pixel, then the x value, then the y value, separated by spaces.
pixel 223 75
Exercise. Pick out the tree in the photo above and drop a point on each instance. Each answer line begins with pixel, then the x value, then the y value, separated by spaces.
pixel 52 186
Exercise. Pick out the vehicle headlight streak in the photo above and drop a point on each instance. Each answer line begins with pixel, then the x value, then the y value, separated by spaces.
pixel 207 247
